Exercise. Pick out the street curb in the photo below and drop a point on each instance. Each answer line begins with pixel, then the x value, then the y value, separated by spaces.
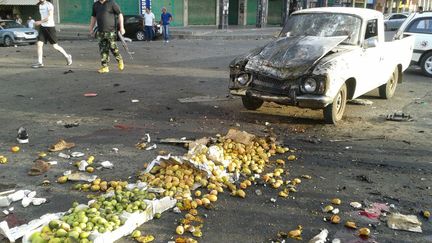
pixel 182 37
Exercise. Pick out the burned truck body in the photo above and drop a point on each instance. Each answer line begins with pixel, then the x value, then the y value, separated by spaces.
pixel 321 58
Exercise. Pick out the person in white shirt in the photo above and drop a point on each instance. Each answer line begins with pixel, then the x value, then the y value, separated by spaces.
pixel 30 22
pixel 47 33
pixel 149 20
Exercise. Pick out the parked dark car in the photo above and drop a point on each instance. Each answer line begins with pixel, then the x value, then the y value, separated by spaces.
pixel 12 33
pixel 134 26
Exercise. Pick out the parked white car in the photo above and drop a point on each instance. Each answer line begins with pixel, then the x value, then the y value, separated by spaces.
pixel 394 21
pixel 419 25
pixel 322 58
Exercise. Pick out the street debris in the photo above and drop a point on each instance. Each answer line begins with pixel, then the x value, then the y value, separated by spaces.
pixel 336 201
pixel 399 116
pixel 205 98
pixel 154 146
pixel 134 101
pixel 64 156
pixel 360 102
pixel 355 205
pixel 320 238
pixel 107 164
pixel 175 140
pixel 3 159
pixel 68 71
pixel 375 210
pixel 39 167
pixel 77 154
pixel 90 94
pixel 15 149
pixel 22 136
pixel 70 125
pixel 61 145
pixel 404 222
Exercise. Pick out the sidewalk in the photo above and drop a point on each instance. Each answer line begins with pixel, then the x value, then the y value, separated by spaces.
pixel 80 32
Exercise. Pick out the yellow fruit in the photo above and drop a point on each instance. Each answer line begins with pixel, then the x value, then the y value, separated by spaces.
pixel 180 230
pixel 15 149
pixel 243 185
pixel 205 201
pixel 336 201
pixel 335 219
pixel 212 198
pixel 90 169
pixel 62 179
pixel 42 154
pixel 296 181
pixel 351 225
pixel 198 193
pixel 90 160
pixel 426 214
pixel 280 161
pixel 291 157
pixel 328 208
pixel 283 194
pixel 95 188
pixel 364 232
pixel 241 193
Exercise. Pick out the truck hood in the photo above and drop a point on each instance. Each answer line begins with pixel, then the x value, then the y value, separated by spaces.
pixel 291 57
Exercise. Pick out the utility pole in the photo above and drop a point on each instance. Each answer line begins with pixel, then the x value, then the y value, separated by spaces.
pixel 262 11
pixel 223 14
pixel 285 11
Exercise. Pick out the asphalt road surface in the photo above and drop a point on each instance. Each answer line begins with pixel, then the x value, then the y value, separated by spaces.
pixel 366 158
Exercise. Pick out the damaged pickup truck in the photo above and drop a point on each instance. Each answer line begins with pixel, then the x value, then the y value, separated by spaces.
pixel 322 58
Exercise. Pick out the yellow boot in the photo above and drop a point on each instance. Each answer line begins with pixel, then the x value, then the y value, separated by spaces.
pixel 121 65
pixel 103 70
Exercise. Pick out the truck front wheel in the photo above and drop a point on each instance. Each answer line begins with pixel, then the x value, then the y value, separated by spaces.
pixel 426 64
pixel 387 90
pixel 251 103
pixel 334 112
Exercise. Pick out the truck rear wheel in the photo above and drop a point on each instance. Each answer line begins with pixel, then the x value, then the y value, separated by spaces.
pixel 251 103
pixel 386 91
pixel 426 64
pixel 334 112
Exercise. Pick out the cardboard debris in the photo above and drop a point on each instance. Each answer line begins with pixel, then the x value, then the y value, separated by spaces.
pixel 404 222
pixel 240 136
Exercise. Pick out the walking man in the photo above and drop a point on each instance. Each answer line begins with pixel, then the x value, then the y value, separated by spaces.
pixel 166 18
pixel 30 22
pixel 149 20
pixel 104 13
pixel 47 33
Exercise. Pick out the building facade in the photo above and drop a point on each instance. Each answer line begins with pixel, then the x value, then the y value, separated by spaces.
pixel 205 12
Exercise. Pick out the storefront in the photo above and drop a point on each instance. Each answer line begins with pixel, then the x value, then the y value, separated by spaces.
pixel 23 8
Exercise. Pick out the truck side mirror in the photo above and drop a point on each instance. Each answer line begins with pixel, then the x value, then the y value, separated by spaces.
pixel 371 42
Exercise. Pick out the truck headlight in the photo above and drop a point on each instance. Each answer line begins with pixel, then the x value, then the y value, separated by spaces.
pixel 243 79
pixel 310 85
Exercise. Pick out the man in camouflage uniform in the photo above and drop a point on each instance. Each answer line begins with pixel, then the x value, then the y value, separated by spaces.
pixel 104 13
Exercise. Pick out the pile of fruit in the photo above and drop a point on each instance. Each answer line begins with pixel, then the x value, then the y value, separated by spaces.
pixel 103 215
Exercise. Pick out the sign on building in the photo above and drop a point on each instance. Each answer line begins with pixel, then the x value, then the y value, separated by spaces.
pixel 144 4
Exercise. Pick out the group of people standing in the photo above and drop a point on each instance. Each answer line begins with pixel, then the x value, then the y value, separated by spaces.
pixel 104 14
pixel 149 23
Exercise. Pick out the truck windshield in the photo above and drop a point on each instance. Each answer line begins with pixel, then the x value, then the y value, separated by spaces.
pixel 323 25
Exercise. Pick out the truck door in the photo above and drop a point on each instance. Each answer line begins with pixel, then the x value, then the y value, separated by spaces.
pixel 372 58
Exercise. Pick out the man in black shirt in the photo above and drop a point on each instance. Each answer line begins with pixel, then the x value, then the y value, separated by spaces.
pixel 104 13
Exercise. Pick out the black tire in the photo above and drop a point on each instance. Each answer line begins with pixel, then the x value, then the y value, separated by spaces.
pixel 7 41
pixel 251 103
pixel 387 90
pixel 426 64
pixel 140 35
pixel 334 112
